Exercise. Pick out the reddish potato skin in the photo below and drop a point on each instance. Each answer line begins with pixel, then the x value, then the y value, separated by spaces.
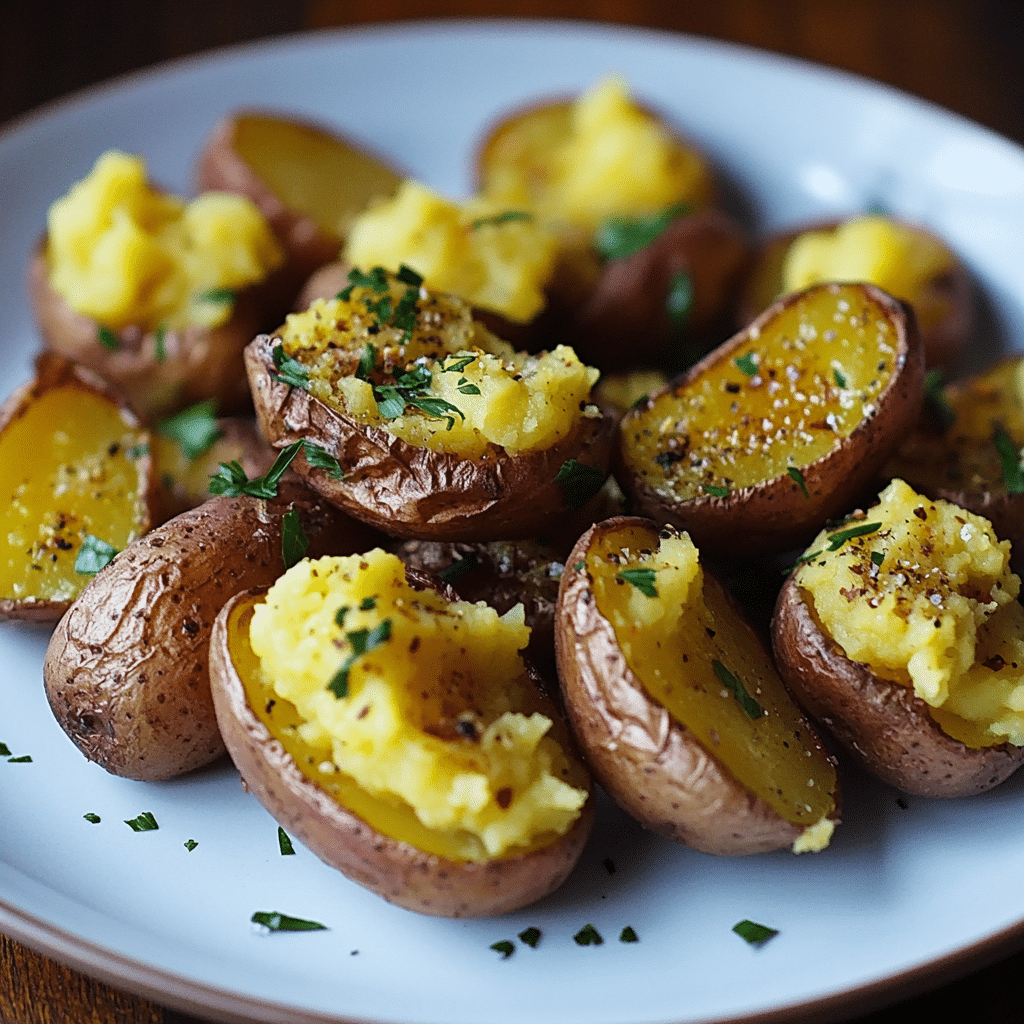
pixel 409 491
pixel 774 515
pixel 648 762
pixel 198 363
pixel 943 343
pixel 397 871
pixel 881 724
pixel 624 321
pixel 126 671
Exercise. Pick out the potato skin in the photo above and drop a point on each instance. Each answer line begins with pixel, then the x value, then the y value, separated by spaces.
pixel 411 491
pixel 126 671
pixel 395 870
pixel 649 763
pixel 882 724
pixel 774 515
pixel 199 363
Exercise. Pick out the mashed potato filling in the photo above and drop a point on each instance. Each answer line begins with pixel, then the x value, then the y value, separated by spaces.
pixel 924 595
pixel 421 701
pixel 465 390
pixel 495 258
pixel 125 254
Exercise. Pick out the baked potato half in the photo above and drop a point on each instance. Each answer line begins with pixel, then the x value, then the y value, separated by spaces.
pixel 905 259
pixel 899 631
pixel 127 668
pixel 486 808
pixel 781 427
pixel 676 703
pixel 77 473
pixel 441 430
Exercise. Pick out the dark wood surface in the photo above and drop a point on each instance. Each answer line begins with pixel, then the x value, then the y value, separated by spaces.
pixel 967 55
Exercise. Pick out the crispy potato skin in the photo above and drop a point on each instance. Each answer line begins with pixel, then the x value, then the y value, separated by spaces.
pixel 199 363
pixel 126 672
pixel 624 322
pixel 943 343
pixel 409 491
pixel 395 870
pixel 649 763
pixel 880 723
pixel 774 515
pixel 54 371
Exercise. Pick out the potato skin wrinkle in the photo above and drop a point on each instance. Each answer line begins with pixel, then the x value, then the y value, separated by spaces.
pixel 126 671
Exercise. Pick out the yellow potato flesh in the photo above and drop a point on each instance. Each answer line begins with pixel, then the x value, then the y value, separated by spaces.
pixel 672 643
pixel 311 171
pixel 69 463
pixel 785 398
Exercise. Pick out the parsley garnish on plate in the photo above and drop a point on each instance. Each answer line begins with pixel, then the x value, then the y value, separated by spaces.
pixel 588 935
pixel 750 706
pixel 293 539
pixel 504 947
pixel 92 818
pixel 628 934
pixel 795 474
pixel 145 822
pixel 284 843
pixel 754 933
pixel 193 429
pixel 190 845
pixel 275 921
pixel 530 936
pixel 289 371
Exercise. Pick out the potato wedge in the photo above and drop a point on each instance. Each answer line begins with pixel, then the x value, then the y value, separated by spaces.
pixel 394 845
pixel 780 428
pixel 77 470
pixel 900 633
pixel 126 671
pixel 916 267
pixel 676 702
pixel 309 181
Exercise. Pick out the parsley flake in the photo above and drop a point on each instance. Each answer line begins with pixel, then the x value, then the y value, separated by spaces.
pixel 284 843
pixel 275 921
pixel 145 822
pixel 935 402
pixel 231 479
pixel 108 339
pixel 220 296
pixel 289 371
pixel 459 365
pixel 837 540
pixel 840 378
pixel 579 482
pixel 23 759
pixel 459 568
pixel 588 935
pixel 193 429
pixel 716 491
pixel 505 217
pixel 161 343
pixel 190 845
pixel 877 558
pixel 504 947
pixel 363 641
pixel 1009 456
pixel 530 936
pixel 754 933
pixel 293 539
pixel 92 818
pixel 750 706
pixel 796 475
pixel 747 363
pixel 93 555
pixel 641 578
pixel 5 751
pixel 628 934
pixel 619 237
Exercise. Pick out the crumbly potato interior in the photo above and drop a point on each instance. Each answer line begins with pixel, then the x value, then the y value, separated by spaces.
pixel 423 703
pixel 787 397
pixel 601 156
pixel 925 597
pixel 125 254
pixel 965 457
pixel 491 397
pixel 875 249
pixel 692 652
pixel 71 470
pixel 495 258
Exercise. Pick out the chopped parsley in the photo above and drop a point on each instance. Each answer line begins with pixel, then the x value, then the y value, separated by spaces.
pixel 190 845
pixel 837 540
pixel 877 558
pixel 467 387
pixel 506 217
pixel 284 843
pixel 530 936
pixel 368 604
pixel 715 491
pixel 108 339
pixel 231 479
pixel 402 315
pixel 935 401
pixel 93 819
pixel 23 759
pixel 1009 456
pixel 795 474
pixel 754 933
pixel 628 934
pixel 750 706
pixel 641 578
pixel 5 751
pixel 459 365
pixel 619 237
pixel 161 348
pixel 193 429
pixel 747 363
pixel 459 568
pixel 220 296
pixel 363 641
pixel 579 482
pixel 410 388
pixel 275 921
pixel 840 377
pixel 289 371
pixel 588 935
pixel 679 300
pixel 293 539
pixel 504 947
pixel 93 555
pixel 145 822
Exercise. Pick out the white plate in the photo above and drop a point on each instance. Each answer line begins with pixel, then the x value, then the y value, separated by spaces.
pixel 902 893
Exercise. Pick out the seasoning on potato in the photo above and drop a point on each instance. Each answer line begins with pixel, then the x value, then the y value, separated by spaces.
pixel 157 296
pixel 901 632
pixel 780 428
pixel 400 736
pixel 77 473
pixel 442 431
pixel 677 704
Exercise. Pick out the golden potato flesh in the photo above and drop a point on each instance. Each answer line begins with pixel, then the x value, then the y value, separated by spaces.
pixel 76 470
pixel 782 426
pixel 677 704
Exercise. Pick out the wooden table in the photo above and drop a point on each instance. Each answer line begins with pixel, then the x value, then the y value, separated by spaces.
pixel 967 55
